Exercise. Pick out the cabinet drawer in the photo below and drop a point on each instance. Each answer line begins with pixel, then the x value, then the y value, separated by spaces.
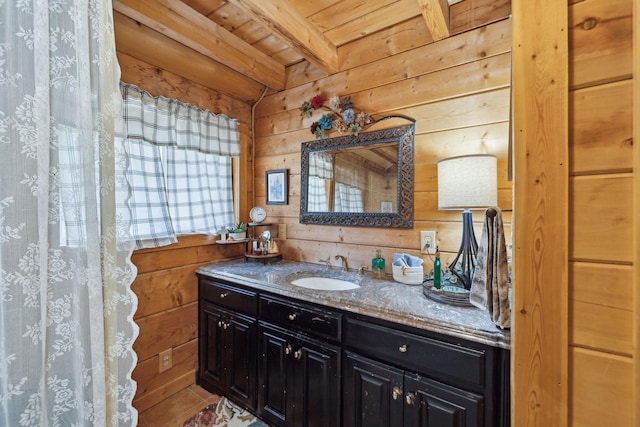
pixel 229 296
pixel 410 351
pixel 301 317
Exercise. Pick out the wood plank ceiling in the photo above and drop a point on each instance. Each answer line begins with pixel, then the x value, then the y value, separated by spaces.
pixel 259 39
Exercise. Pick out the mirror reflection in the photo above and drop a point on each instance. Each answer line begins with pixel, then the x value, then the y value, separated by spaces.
pixel 359 180
pixel 354 179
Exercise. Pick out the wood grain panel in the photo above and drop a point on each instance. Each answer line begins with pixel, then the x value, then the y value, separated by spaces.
pixel 600 389
pixel 460 50
pixel 474 13
pixel 141 42
pixel 600 328
pixel 468 79
pixel 539 364
pixel 165 330
pixel 601 128
pixel 482 138
pixel 609 285
pixel 635 231
pixel 600 36
pixel 157 395
pixel 371 21
pixel 601 212
pixel 151 383
pixel 160 260
pixel 165 289
pixel 484 107
pixel 160 82
pixel 402 37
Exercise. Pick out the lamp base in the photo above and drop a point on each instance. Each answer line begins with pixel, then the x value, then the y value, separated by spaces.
pixel 468 252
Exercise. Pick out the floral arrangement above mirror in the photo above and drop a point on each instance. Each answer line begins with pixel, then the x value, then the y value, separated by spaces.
pixel 341 116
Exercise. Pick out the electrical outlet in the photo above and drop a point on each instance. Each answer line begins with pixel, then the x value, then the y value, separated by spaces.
pixel 165 360
pixel 282 232
pixel 428 242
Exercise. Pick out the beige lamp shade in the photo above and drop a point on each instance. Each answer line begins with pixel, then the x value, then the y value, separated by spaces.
pixel 468 182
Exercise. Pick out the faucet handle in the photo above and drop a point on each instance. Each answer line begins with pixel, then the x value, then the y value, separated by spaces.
pixel 362 270
pixel 326 261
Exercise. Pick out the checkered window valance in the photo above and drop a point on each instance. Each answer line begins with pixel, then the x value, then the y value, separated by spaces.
pixel 179 171
pixel 169 122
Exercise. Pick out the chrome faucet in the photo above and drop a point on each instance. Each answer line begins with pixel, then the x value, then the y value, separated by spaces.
pixel 345 264
pixel 326 261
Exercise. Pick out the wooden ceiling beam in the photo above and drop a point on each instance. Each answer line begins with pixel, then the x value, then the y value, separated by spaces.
pixel 143 43
pixel 187 26
pixel 282 20
pixel 436 15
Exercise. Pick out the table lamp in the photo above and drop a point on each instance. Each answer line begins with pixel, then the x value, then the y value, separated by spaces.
pixel 467 182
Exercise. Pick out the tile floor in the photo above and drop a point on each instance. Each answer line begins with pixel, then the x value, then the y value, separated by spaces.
pixel 176 409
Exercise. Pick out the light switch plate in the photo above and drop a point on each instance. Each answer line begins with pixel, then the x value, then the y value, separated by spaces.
pixel 165 360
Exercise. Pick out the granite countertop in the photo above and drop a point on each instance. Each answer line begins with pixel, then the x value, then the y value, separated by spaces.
pixel 383 299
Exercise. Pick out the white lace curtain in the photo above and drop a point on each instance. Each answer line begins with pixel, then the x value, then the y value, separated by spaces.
pixel 66 306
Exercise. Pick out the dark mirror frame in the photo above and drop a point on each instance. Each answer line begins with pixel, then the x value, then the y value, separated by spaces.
pixel 403 217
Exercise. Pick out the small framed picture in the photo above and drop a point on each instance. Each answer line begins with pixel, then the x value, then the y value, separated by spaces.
pixel 277 187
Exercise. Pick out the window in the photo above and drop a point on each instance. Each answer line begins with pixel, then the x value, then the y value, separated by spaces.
pixel 179 167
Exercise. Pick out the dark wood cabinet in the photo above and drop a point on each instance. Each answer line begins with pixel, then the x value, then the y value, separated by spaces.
pixel 430 403
pixel 299 383
pixel 379 395
pixel 227 349
pixel 372 393
pixel 300 364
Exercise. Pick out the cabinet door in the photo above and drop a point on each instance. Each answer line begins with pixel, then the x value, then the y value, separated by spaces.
pixel 372 393
pixel 430 403
pixel 274 375
pixel 299 380
pixel 210 348
pixel 316 396
pixel 240 336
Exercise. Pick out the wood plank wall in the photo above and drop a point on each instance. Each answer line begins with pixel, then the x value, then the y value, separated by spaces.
pixel 457 90
pixel 166 284
pixel 601 216
pixel 539 365
pixel 595 369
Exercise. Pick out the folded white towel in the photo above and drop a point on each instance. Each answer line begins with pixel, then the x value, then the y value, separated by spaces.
pixel 406 260
pixel 490 286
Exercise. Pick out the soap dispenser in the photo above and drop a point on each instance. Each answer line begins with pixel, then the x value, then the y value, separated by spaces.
pixel 377 266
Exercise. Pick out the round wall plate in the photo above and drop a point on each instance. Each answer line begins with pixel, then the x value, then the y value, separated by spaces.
pixel 257 214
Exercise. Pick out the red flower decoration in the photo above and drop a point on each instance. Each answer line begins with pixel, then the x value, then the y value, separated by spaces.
pixel 317 101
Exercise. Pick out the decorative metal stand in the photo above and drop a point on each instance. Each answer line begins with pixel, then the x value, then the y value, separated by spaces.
pixel 468 251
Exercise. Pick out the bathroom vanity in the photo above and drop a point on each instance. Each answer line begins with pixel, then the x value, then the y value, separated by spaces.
pixel 380 354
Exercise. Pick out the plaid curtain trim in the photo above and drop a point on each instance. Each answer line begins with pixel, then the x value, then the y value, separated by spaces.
pixel 163 121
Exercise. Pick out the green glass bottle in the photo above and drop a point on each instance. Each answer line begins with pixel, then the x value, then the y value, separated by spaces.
pixel 436 271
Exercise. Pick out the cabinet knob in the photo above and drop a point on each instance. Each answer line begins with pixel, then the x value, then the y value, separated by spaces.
pixel 396 392
pixel 219 323
pixel 298 354
pixel 402 348
pixel 225 325
pixel 293 316
pixel 224 295
pixel 410 398
pixel 288 349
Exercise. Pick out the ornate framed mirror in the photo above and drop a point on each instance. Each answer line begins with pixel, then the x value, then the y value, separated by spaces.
pixel 361 180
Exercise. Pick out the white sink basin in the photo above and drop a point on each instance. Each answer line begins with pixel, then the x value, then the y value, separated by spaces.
pixel 324 284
